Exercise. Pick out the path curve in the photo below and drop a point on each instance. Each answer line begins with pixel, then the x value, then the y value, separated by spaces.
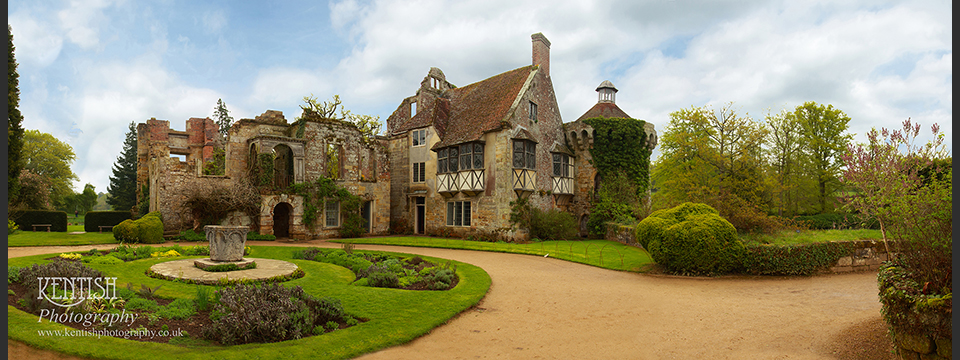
pixel 544 308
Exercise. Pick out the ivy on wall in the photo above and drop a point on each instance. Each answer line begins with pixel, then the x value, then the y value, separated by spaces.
pixel 264 173
pixel 316 194
pixel 620 145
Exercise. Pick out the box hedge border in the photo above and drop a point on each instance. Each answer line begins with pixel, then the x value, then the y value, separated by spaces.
pixel 94 219
pixel 27 218
pixel 799 259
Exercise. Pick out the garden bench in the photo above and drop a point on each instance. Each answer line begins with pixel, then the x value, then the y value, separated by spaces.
pixel 108 227
pixel 41 225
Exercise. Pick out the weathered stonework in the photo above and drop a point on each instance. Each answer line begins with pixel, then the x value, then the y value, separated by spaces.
pixel 226 242
pixel 516 105
pixel 363 169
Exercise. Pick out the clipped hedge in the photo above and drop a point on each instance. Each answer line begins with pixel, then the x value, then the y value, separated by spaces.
pixel 828 221
pixel 147 230
pixel 692 239
pixel 94 219
pixel 799 259
pixel 27 218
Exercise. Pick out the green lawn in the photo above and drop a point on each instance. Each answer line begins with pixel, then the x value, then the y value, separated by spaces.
pixel 54 238
pixel 395 316
pixel 601 253
pixel 788 237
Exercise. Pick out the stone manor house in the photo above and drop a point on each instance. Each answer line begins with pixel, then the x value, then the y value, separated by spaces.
pixel 450 162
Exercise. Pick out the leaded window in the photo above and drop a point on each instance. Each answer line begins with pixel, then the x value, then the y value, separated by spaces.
pixel 458 213
pixel 524 154
pixel 561 165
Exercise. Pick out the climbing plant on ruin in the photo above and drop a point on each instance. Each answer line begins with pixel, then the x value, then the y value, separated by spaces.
pixel 369 125
pixel 620 145
pixel 316 194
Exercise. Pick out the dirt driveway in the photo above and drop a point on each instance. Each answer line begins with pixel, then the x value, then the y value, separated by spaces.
pixel 544 308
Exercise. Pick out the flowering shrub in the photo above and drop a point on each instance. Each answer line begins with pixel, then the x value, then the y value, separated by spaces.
pixel 170 253
pixel 70 256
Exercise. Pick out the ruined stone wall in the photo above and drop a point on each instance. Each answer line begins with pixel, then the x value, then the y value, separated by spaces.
pixel 401 211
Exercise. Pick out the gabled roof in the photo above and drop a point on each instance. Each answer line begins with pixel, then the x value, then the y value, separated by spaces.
pixel 604 109
pixel 481 107
pixel 464 114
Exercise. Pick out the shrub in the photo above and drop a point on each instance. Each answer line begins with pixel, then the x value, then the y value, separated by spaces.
pixel 553 225
pixel 12 227
pixel 107 259
pixel 94 219
pixel 190 235
pixel 253 235
pixel 910 308
pixel 802 259
pixel 148 229
pixel 139 303
pixel 13 274
pixel 268 313
pixel 27 218
pixel 179 309
pixel 692 239
pixel 383 278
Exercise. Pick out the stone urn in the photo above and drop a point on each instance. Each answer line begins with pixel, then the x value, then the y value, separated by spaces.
pixel 226 246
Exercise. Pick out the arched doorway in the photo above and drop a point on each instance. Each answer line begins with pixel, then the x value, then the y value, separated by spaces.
pixel 281 220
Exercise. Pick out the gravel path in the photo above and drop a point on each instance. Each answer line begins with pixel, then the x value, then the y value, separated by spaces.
pixel 544 308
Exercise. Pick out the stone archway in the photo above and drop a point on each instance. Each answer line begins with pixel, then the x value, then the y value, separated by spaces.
pixel 282 220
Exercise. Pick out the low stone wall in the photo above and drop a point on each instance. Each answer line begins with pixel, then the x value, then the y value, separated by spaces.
pixel 622 234
pixel 866 255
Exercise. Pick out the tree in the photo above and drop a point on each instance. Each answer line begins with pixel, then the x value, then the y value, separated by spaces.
pixel 368 125
pixel 705 153
pixel 223 118
pixel 887 177
pixel 35 192
pixel 87 199
pixel 14 119
pixel 824 130
pixel 784 145
pixel 123 184
pixel 50 158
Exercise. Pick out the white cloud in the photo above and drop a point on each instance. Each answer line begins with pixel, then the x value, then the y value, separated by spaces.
pixel 214 21
pixel 81 21
pixel 36 43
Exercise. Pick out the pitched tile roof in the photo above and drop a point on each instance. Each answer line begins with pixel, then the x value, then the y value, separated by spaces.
pixel 604 109
pixel 480 107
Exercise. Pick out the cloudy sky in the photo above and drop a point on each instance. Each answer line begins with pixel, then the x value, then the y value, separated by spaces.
pixel 89 68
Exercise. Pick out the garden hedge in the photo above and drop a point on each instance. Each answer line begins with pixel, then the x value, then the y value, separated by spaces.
pixel 692 239
pixel 799 259
pixel 27 218
pixel 147 230
pixel 94 219
pixel 827 221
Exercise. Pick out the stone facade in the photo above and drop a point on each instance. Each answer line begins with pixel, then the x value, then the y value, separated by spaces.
pixel 451 162
pixel 362 168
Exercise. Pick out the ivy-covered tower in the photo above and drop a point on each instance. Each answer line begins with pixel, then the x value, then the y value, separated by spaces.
pixel 594 156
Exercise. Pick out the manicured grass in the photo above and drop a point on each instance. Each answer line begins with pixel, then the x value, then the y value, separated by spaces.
pixel 395 316
pixel 811 236
pixel 601 253
pixel 54 238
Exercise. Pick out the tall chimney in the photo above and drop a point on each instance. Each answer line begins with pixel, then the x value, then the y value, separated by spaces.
pixel 541 52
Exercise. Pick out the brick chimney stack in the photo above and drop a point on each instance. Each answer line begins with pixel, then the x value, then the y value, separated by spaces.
pixel 541 52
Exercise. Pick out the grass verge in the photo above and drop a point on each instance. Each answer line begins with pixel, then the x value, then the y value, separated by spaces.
pixel 811 236
pixel 600 253
pixel 396 316
pixel 54 238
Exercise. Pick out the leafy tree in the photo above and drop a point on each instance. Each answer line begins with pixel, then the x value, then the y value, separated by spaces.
pixel 887 177
pixel 368 125
pixel 784 145
pixel 50 158
pixel 223 118
pixel 87 199
pixel 123 184
pixel 705 153
pixel 14 119
pixel 35 192
pixel 824 130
